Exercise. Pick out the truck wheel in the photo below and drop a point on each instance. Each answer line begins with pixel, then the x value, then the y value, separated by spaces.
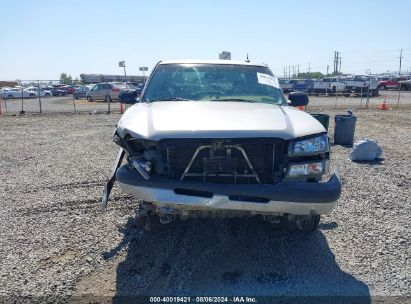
pixel 382 88
pixel 89 99
pixel 302 223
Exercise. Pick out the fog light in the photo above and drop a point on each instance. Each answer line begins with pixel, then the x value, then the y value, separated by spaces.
pixel 306 169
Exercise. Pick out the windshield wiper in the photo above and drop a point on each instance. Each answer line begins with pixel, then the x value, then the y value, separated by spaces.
pixel 170 99
pixel 234 99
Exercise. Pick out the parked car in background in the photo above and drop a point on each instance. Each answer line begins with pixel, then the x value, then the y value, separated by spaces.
pixel 68 89
pixel 3 92
pixel 106 91
pixel 362 85
pixel 138 87
pixel 303 85
pixel 80 92
pixel 55 91
pixel 405 85
pixel 286 85
pixel 40 91
pixel 17 93
pixel 391 83
pixel 137 84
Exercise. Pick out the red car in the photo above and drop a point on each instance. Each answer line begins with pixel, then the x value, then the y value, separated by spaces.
pixel 390 83
pixel 68 89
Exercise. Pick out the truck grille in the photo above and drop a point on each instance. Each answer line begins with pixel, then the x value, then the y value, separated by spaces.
pixel 224 161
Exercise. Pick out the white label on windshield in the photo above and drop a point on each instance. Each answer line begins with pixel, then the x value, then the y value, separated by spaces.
pixel 268 80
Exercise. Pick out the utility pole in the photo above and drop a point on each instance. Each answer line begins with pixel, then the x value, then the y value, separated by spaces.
pixel 337 62
pixel 327 69
pixel 309 70
pixel 289 71
pixel 399 71
pixel 298 70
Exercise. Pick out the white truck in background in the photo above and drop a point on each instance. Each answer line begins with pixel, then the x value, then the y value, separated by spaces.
pixel 330 85
pixel 361 84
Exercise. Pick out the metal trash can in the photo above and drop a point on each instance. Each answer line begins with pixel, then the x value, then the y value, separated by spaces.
pixel 344 130
pixel 323 119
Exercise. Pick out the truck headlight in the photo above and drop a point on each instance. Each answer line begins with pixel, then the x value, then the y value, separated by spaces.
pixel 307 169
pixel 307 146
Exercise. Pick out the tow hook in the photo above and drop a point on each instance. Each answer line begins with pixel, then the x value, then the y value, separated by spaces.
pixel 167 215
pixel 272 219
pixel 167 218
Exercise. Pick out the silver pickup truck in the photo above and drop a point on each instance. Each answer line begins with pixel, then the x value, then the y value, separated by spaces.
pixel 218 138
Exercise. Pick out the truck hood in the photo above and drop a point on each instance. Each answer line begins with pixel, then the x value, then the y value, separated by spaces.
pixel 206 119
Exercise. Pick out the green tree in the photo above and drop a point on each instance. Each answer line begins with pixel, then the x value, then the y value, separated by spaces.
pixel 66 79
pixel 312 75
pixel 77 81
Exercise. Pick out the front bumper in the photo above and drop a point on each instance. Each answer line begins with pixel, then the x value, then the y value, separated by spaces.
pixel 300 198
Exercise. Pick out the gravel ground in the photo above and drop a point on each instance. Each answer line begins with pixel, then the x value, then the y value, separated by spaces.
pixel 55 243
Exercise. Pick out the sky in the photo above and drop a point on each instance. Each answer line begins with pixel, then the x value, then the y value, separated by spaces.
pixel 41 39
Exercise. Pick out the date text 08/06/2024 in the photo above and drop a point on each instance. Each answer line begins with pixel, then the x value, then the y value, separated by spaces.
pixel 203 299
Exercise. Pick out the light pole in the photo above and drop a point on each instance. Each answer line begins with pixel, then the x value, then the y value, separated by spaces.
pixel 143 69
pixel 122 64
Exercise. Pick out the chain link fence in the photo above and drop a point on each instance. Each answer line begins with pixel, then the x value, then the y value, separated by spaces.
pixel 25 104
pixel 392 99
pixel 19 101
pixel 65 104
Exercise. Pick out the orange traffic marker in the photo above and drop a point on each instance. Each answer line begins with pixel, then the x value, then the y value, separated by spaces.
pixel 302 108
pixel 121 108
pixel 383 105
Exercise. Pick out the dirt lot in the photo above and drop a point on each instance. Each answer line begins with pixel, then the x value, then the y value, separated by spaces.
pixel 55 243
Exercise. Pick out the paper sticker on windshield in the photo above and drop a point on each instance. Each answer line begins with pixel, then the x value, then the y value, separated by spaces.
pixel 268 80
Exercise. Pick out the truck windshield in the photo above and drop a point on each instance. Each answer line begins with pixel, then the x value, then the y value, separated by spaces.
pixel 213 82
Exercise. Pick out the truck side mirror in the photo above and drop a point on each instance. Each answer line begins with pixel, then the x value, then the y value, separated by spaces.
pixel 297 99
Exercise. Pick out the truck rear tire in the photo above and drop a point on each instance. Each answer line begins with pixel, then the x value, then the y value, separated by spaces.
pixel 302 223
